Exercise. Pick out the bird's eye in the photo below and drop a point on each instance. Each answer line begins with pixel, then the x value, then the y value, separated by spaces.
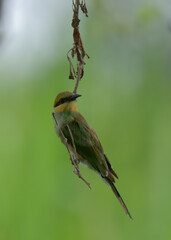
pixel 62 100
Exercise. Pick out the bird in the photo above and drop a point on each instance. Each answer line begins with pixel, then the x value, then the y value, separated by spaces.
pixel 70 125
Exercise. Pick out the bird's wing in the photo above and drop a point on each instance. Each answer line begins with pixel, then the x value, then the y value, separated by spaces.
pixel 88 145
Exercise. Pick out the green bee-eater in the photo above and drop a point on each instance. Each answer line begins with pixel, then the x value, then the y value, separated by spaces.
pixel 88 147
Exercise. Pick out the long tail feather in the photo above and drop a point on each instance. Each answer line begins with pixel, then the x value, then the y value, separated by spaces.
pixel 114 189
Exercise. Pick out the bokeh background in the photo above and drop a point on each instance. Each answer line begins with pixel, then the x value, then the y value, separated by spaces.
pixel 126 99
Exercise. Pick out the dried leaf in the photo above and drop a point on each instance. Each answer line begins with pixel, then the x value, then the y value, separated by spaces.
pixel 84 8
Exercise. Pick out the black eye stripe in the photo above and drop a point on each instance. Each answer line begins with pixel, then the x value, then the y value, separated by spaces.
pixel 63 100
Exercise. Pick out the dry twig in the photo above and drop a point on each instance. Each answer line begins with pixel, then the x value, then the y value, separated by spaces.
pixel 78 48
pixel 73 157
pixel 78 51
pixel 76 160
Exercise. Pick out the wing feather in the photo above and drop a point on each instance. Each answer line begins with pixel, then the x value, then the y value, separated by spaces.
pixel 88 146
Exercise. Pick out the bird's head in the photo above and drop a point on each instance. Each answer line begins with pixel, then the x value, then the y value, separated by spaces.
pixel 66 101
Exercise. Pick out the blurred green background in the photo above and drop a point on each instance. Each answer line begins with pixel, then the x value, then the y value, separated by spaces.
pixel 126 99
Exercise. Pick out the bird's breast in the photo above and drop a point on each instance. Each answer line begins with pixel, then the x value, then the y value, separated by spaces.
pixel 63 118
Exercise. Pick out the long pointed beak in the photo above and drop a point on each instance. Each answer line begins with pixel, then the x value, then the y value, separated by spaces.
pixel 75 96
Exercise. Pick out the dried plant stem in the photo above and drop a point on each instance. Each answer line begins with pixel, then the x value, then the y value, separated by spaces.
pixel 78 48
pixel 77 5
pixel 76 170
pixel 73 157
pixel 79 71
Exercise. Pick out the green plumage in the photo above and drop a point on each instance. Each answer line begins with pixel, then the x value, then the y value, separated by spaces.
pixel 88 147
pixel 87 144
